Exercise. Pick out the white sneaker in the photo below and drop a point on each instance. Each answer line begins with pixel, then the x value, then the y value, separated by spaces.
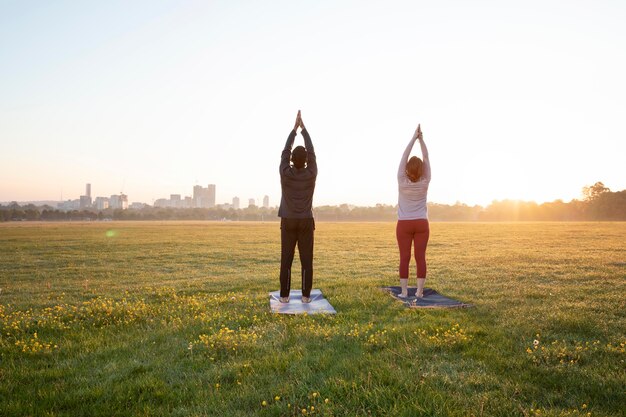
pixel 284 300
pixel 306 300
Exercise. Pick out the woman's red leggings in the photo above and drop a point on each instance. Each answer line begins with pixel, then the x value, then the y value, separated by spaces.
pixel 407 232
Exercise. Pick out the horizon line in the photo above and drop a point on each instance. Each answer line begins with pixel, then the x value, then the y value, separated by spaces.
pixel 457 203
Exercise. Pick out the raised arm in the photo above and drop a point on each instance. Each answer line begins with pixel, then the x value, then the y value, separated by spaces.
pixel 286 155
pixel 405 155
pixel 292 135
pixel 308 145
pixel 311 160
pixel 426 160
pixel 290 139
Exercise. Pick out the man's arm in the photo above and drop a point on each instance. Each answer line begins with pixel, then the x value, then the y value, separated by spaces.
pixel 290 139
pixel 310 151
pixel 308 145
pixel 286 155
pixel 311 160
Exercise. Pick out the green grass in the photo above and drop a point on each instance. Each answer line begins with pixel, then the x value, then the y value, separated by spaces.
pixel 172 319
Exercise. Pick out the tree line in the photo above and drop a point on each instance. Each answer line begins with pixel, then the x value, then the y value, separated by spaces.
pixel 598 203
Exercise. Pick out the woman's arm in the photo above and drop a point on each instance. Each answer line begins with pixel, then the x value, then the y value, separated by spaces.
pixel 405 155
pixel 425 159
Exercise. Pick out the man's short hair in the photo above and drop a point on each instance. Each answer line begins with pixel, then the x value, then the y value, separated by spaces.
pixel 299 156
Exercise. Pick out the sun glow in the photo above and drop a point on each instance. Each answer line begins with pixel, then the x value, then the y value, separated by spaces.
pixel 208 95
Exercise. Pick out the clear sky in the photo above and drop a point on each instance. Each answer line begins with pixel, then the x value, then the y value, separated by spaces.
pixel 522 100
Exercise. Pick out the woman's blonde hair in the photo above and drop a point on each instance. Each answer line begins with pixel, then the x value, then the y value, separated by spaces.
pixel 414 169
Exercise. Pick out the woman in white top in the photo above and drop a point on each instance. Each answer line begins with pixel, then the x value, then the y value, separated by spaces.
pixel 412 227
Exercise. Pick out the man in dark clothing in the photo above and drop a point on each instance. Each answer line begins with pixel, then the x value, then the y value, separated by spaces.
pixel 297 225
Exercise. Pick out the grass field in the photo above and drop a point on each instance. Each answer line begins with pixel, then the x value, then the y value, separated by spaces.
pixel 172 319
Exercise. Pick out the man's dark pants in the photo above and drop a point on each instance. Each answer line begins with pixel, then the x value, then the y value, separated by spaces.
pixel 300 232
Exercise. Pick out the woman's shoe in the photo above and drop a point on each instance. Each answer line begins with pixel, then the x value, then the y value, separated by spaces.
pixel 284 300
pixel 306 300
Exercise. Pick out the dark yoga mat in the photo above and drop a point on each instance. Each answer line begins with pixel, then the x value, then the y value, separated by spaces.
pixel 431 299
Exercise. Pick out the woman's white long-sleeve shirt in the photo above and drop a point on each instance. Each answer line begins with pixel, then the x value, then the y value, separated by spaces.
pixel 412 195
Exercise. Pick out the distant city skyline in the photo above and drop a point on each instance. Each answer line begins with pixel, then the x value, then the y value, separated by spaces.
pixel 203 197
pixel 517 100
pixel 101 202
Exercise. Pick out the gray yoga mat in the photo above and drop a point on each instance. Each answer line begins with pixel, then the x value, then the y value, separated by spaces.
pixel 431 299
pixel 295 305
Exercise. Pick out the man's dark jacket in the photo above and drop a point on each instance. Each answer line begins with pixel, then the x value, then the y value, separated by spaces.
pixel 298 184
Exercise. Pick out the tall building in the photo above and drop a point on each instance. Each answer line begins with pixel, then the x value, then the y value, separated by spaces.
pixel 114 201
pixel 204 197
pixel 85 200
pixel 236 203
pixel 197 195
pixel 266 201
pixel 118 201
pixel 211 191
pixel 101 203
pixel 251 202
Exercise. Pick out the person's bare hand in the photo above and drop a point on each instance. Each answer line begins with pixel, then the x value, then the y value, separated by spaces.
pixel 298 121
pixel 301 122
pixel 418 133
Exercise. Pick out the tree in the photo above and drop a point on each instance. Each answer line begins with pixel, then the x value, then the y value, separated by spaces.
pixel 592 193
pixel 608 206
